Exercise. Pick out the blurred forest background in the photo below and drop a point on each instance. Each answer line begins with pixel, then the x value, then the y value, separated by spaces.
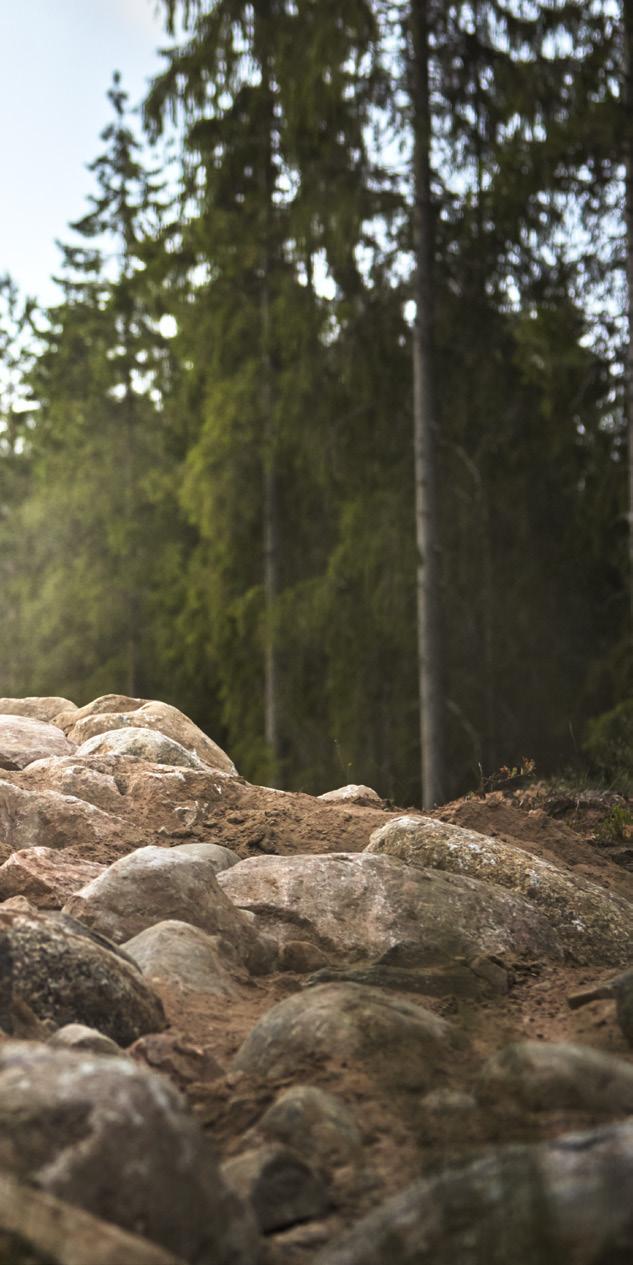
pixel 207 446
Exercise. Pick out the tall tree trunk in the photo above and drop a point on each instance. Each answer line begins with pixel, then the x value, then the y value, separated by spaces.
pixel 628 162
pixel 424 425
pixel 270 525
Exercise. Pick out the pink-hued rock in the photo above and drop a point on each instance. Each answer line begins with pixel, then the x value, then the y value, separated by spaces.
pixel 45 876
pixel 23 740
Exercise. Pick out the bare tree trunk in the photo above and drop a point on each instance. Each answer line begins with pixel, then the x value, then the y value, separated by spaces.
pixel 424 437
pixel 628 101
pixel 270 521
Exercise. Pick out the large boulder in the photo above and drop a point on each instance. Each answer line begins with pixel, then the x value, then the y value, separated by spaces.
pixel 38 1229
pixel 30 819
pixel 359 906
pixel 153 885
pixel 75 778
pixel 316 1124
pixel 45 876
pixel 279 1185
pixel 117 1141
pixel 145 744
pixel 180 956
pixel 595 925
pixel 37 708
pixel 556 1076
pixel 394 1042
pixel 116 712
pixel 563 1201
pixel 23 740
pixel 64 974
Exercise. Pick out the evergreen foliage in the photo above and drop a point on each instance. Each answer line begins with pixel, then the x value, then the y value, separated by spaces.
pixel 225 518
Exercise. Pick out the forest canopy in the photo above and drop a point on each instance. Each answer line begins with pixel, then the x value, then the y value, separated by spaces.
pixel 351 268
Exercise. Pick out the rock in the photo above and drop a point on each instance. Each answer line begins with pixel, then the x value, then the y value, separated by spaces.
pixel 31 819
pixel 81 780
pixel 453 980
pixel 353 795
pixel 65 974
pixel 395 1042
pixel 300 957
pixel 315 1124
pixel 594 925
pixel 279 1185
pixel 360 906
pixel 221 858
pixel 45 709
pixel 116 712
pixel 45 877
pixel 145 744
pixel 448 1102
pixel 557 1201
pixel 153 885
pixel 184 957
pixel 116 1140
pixel 23 740
pixel 182 1061
pixel 77 1036
pixel 37 1229
pixel 553 1076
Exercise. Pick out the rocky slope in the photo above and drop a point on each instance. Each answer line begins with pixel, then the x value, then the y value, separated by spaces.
pixel 241 1026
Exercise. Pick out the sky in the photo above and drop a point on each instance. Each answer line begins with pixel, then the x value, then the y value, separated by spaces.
pixel 57 59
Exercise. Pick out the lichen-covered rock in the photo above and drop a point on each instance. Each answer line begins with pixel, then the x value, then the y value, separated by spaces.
pixel 145 744
pixel 63 973
pixel 595 925
pixel 118 712
pixel 24 739
pixel 153 885
pixel 556 1076
pixel 117 1141
pixel 395 1042
pixel 45 876
pixel 360 906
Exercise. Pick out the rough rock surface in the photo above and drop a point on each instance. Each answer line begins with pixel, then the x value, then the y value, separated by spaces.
pixel 182 956
pixel 314 1123
pixel 544 1076
pixel 153 885
pixel 352 794
pixel 395 1041
pixel 30 819
pixel 46 709
pixel 46 877
pixel 24 739
pixel 64 974
pixel 144 743
pixel 117 712
pixel 77 1036
pixel 38 1229
pixel 558 1201
pixel 360 906
pixel 279 1185
pixel 114 1139
pixel 595 926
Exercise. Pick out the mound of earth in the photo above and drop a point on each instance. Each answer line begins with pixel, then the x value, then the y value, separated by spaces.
pixel 245 1025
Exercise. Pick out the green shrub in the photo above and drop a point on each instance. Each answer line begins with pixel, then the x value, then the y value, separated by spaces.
pixel 609 745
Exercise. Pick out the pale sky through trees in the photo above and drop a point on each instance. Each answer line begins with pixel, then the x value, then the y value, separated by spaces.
pixel 57 62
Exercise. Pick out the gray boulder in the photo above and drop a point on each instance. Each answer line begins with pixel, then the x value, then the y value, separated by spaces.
pixel 184 957
pixel 64 974
pixel 23 740
pixel 315 1124
pixel 550 1076
pixel 280 1186
pixel 563 1201
pixel 30 819
pixel 118 712
pixel 116 1140
pixel 353 794
pixel 46 709
pixel 397 1043
pixel 145 744
pixel 77 1036
pixel 594 925
pixel 153 885
pixel 359 906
